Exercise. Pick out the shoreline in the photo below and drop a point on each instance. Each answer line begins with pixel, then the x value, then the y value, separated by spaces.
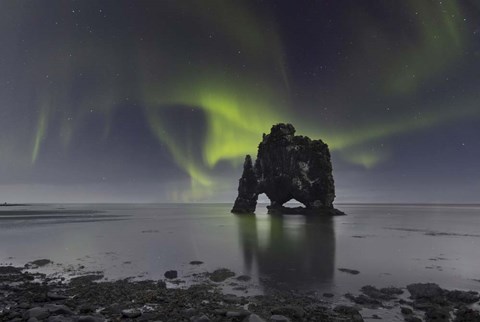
pixel 27 295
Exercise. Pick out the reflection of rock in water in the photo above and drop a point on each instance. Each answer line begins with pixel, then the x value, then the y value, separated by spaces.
pixel 291 252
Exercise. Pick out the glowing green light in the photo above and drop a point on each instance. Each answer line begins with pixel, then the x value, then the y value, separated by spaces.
pixel 39 134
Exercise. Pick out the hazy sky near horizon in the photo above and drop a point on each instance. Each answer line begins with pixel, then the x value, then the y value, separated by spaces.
pixel 159 101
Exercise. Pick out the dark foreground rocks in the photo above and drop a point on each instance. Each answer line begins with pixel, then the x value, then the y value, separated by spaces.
pixel 429 302
pixel 287 167
pixel 26 296
pixel 34 297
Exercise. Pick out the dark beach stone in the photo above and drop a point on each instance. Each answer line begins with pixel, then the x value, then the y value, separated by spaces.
pixel 149 316
pixel 56 297
pixel 115 309
pixel 279 318
pixel 90 318
pixel 438 314
pixel 232 299
pixel 196 263
pixel 86 308
pixel 345 309
pixel 406 310
pixel 24 305
pixel 466 314
pixel 29 320
pixel 7 270
pixel 424 290
pixel 38 263
pixel 220 311
pixel 221 275
pixel 391 290
pixel 350 311
pixel 290 311
pixel 58 309
pixel 37 312
pixel 131 313
pixel 423 305
pixel 253 318
pixel 59 318
pixel 237 314
pixel 202 318
pixel 349 271
pixel 467 297
pixel 189 312
pixel 362 299
pixel 243 278
pixel 375 293
pixel 412 319
pixel 171 274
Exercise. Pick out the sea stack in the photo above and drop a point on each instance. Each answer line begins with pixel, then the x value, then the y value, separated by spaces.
pixel 287 167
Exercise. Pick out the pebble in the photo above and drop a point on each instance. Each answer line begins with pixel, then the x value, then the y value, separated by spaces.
pixel 196 263
pixel 189 312
pixel 56 297
pixel 131 313
pixel 37 312
pixel 59 318
pixel 349 271
pixel 202 318
pixel 253 318
pixel 90 318
pixel 406 310
pixel 58 309
pixel 221 275
pixel 237 314
pixel 231 299
pixel 289 310
pixel 412 319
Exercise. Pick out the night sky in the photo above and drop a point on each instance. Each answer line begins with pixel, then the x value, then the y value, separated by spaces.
pixel 159 101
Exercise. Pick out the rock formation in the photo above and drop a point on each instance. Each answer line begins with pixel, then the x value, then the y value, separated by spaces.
pixel 288 167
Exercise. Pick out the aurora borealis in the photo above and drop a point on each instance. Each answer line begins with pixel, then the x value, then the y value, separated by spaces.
pixel 160 101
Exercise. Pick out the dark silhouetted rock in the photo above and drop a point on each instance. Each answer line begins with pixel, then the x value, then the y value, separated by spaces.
pixel 221 275
pixel 467 297
pixel 349 271
pixel 196 263
pixel 465 314
pixel 383 294
pixel 246 201
pixel 425 290
pixel 406 310
pixel 171 274
pixel 288 167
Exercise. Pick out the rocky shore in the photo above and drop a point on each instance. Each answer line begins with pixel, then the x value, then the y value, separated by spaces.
pixel 26 295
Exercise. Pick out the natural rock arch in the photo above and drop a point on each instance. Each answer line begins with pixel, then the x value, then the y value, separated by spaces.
pixel 288 167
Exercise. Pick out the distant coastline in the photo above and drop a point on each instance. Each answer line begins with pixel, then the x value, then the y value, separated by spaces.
pixel 5 204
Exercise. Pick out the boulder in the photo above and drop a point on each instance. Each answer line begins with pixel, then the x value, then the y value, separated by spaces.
pixel 425 290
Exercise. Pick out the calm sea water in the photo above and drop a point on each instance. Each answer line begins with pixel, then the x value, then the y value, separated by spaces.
pixel 388 244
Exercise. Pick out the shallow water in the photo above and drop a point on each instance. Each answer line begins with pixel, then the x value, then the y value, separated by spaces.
pixel 388 244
